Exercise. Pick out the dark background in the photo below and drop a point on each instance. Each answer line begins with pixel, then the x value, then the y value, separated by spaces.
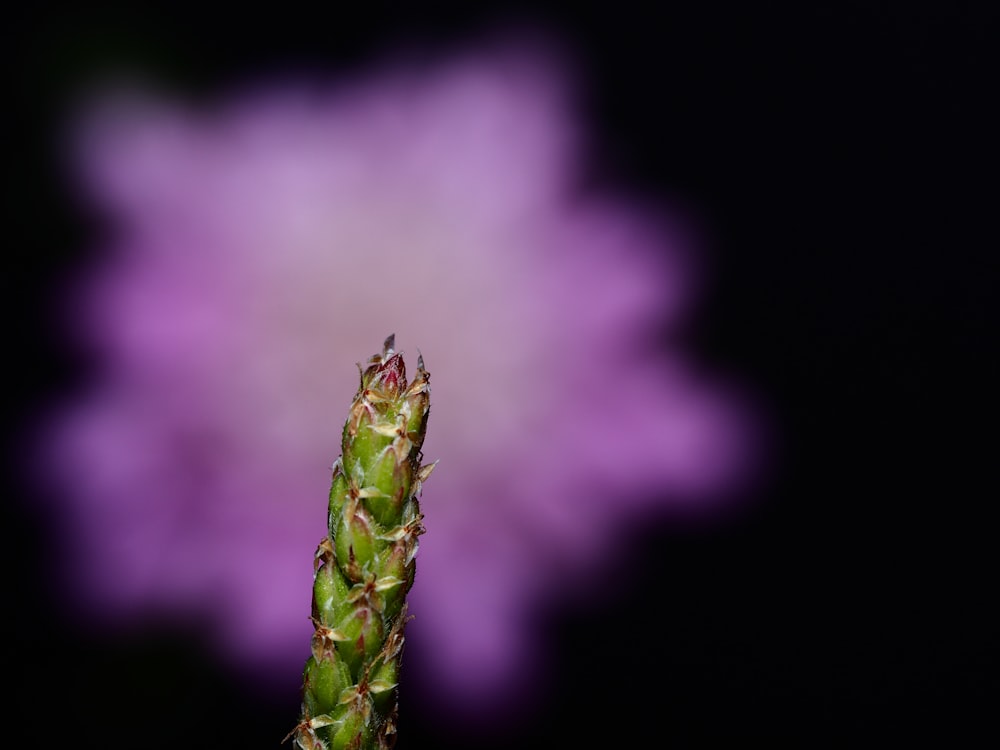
pixel 840 154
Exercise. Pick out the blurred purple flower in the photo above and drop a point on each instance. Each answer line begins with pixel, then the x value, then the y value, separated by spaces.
pixel 261 246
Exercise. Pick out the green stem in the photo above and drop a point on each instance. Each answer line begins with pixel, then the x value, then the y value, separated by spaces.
pixel 364 567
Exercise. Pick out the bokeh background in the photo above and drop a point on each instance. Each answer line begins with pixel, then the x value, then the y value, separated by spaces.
pixel 829 163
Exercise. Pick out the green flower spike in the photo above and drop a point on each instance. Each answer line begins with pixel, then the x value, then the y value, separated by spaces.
pixel 364 567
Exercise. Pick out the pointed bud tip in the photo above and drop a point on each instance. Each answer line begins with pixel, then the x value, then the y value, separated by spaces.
pixel 391 375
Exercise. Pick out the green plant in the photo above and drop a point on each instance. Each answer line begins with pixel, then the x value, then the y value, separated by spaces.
pixel 365 565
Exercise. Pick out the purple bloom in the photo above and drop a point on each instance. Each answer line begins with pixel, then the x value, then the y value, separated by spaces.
pixel 260 246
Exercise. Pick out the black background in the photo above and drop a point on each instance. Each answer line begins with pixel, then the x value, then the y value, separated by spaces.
pixel 840 153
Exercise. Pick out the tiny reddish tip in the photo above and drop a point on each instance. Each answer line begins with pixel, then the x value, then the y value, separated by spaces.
pixel 391 374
